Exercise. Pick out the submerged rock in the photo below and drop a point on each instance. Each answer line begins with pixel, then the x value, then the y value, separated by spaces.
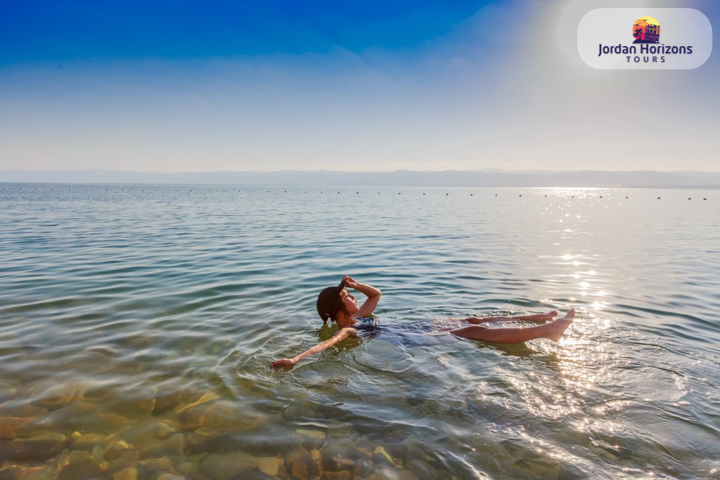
pixel 131 403
pixel 79 441
pixel 188 467
pixel 33 449
pixel 22 472
pixel 59 395
pixel 9 425
pixel 380 456
pixel 77 465
pixel 155 467
pixel 172 447
pixel 301 464
pixel 126 474
pixel 422 469
pixel 224 466
pixel 166 401
pixel 208 396
pixel 221 414
pixel 385 474
pixel 53 442
pixel 310 433
pixel 7 390
pixel 269 465
pixel 343 475
pixel 170 476
pixel 115 450
pixel 128 459
pixel 21 408
pixel 362 468
pixel 148 431
pixel 408 475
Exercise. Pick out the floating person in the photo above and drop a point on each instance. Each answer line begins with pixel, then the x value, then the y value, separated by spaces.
pixel 339 305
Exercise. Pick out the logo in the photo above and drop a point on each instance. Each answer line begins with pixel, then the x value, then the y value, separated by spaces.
pixel 646 30
pixel 604 43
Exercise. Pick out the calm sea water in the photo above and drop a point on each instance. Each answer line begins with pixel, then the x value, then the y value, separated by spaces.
pixel 138 324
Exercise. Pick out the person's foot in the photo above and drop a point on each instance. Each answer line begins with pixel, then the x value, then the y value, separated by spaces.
pixel 558 327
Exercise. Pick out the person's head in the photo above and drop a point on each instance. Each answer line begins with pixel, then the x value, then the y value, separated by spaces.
pixel 334 300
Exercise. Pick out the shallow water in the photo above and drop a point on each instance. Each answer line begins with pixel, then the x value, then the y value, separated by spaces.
pixel 138 323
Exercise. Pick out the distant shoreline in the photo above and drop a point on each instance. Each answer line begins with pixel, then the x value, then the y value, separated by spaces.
pixel 450 178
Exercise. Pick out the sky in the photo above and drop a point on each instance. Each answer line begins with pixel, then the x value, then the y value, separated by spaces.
pixel 179 86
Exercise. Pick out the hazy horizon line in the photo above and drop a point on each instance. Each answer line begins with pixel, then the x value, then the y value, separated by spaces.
pixel 364 172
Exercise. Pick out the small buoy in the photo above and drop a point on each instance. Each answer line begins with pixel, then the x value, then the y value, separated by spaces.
pixel 658 198
pixel 223 190
pixel 35 189
pixel 471 195
pixel 21 189
pixel 209 190
pixel 191 189
pixel 704 198
pixel 306 191
pixel 399 193
pixel 54 190
pixel 545 196
pixel 600 196
pixel 447 194
pixel 423 194
pixel 106 189
pixel 521 195
pixel 496 194
pixel 627 197
pixel 572 196
pixel 286 191
pixel 338 193
pixel 689 198
pixel 357 193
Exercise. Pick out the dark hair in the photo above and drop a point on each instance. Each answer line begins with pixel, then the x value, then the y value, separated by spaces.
pixel 329 302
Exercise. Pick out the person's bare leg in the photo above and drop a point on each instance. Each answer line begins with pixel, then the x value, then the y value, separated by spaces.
pixel 544 317
pixel 553 330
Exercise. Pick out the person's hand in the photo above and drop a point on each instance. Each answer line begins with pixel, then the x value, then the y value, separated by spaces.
pixel 283 362
pixel 350 282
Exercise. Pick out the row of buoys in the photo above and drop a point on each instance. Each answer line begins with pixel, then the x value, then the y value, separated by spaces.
pixel 269 191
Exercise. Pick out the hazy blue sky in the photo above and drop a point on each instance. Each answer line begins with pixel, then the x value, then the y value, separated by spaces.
pixel 353 86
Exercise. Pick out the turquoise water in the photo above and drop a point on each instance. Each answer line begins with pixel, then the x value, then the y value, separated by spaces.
pixel 138 323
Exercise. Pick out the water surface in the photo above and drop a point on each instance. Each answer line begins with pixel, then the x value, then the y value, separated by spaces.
pixel 138 323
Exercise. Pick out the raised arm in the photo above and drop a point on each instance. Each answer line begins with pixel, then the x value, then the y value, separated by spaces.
pixel 338 337
pixel 373 296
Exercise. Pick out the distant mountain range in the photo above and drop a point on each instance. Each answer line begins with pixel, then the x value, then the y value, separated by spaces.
pixel 468 178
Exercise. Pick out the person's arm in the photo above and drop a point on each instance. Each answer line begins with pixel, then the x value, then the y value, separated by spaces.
pixel 373 296
pixel 338 337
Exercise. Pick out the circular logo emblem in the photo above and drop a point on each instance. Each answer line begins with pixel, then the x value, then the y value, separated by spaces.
pixel 646 30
